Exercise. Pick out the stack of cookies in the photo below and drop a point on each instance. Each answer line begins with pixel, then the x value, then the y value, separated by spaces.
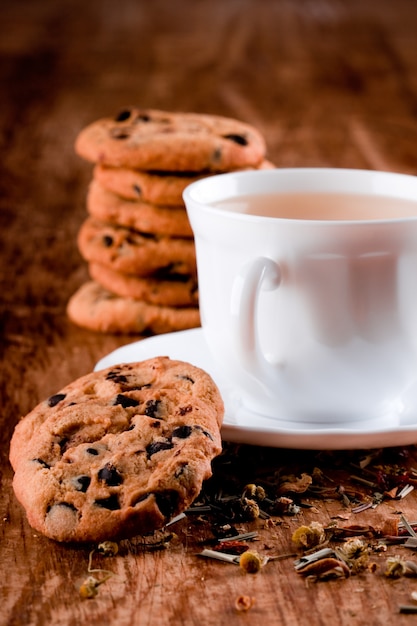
pixel 137 239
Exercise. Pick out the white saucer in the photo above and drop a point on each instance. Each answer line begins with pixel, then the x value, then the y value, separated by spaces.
pixel 242 426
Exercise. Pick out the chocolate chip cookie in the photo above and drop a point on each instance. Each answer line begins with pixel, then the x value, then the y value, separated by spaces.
pixel 161 188
pixel 127 250
pixel 169 290
pixel 118 452
pixel 143 216
pixel 149 139
pixel 94 307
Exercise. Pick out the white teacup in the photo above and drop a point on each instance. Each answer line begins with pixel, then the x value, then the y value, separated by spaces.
pixel 308 290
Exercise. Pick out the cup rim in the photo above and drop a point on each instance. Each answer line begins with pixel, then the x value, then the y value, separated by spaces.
pixel 323 179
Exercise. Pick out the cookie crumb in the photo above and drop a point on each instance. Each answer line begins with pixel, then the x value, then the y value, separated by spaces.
pixel 244 603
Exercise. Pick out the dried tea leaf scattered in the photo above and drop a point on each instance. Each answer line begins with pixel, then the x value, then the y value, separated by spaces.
pixel 295 484
pixel 328 567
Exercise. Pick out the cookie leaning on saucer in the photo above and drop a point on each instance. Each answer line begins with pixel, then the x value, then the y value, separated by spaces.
pixel 94 307
pixel 150 139
pixel 117 452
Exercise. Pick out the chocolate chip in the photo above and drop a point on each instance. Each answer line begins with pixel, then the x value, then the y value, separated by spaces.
pixel 152 407
pixel 43 463
pixel 167 502
pixel 123 115
pixel 239 139
pixel 137 190
pixel 182 432
pixel 93 451
pixel 205 433
pixel 158 446
pixel 217 155
pixel 111 503
pixel 171 276
pixel 144 117
pixel 116 377
pixel 54 400
pixel 125 401
pixel 186 378
pixel 110 475
pixel 63 444
pixel 107 241
pixel 150 236
pixel 183 410
pixel 81 483
pixel 166 272
pixel 172 271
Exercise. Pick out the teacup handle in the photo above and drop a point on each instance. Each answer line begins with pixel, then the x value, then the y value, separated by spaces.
pixel 259 274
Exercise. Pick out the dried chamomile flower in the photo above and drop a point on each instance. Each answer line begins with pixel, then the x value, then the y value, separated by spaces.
pixel 306 537
pixel 353 548
pixel 251 562
pixel 254 492
pixel 89 587
pixel 249 509
pixel 108 548
pixel 395 567
pixel 244 603
pixel 355 553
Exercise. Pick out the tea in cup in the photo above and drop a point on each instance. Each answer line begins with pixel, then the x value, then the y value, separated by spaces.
pixel 308 290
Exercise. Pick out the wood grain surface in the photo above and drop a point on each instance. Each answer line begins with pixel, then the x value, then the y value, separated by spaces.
pixel 328 83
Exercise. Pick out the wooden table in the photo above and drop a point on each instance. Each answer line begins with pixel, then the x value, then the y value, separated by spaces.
pixel 329 83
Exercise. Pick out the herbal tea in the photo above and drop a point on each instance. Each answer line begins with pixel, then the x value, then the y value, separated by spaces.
pixel 321 206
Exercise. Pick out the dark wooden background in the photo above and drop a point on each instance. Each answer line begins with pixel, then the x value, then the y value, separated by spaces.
pixel 329 83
